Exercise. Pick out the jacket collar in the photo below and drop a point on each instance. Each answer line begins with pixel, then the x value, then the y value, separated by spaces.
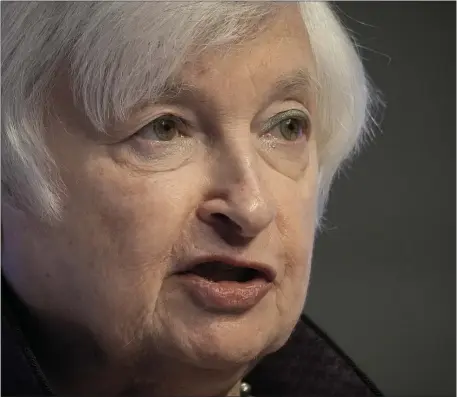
pixel 21 373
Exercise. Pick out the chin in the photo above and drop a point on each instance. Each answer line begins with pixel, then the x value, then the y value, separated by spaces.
pixel 216 341
pixel 224 352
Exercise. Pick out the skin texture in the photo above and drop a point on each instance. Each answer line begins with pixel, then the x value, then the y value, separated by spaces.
pixel 101 282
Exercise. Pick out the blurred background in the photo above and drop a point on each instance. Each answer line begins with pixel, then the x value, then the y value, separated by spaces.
pixel 383 281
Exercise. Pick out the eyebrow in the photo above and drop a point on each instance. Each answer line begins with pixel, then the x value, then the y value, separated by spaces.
pixel 299 82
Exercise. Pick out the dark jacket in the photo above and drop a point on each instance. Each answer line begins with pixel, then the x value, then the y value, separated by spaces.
pixel 309 365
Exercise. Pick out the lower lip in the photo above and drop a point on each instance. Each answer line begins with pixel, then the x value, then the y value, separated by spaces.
pixel 225 296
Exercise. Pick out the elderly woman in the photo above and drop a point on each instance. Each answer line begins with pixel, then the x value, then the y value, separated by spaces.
pixel 165 167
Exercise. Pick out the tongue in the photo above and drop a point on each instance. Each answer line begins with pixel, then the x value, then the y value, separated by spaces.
pixel 217 271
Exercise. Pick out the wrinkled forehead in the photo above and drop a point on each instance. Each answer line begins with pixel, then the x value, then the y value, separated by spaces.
pixel 154 47
pixel 282 42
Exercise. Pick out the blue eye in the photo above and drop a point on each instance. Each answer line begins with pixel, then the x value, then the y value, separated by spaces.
pixel 163 128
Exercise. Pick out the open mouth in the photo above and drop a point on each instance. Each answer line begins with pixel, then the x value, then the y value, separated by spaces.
pixel 220 271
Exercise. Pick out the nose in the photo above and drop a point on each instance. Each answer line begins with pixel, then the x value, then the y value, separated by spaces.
pixel 238 203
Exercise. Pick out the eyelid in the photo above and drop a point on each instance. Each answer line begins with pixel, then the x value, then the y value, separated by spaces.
pixel 152 111
pixel 291 113
pixel 179 120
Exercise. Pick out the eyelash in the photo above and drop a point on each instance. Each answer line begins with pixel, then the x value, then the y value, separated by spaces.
pixel 273 122
pixel 292 114
pixel 181 123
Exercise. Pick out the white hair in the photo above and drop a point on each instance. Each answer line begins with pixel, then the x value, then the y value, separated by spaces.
pixel 120 53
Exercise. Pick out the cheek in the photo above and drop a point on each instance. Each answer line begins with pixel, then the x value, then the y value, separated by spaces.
pixel 120 230
pixel 124 225
pixel 296 227
pixel 297 215
pixel 143 216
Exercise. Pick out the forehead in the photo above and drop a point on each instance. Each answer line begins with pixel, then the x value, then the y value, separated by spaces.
pixel 283 46
pixel 279 56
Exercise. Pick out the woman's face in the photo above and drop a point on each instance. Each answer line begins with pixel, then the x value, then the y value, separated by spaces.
pixel 227 168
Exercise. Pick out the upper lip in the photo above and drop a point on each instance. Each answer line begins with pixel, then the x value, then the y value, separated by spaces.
pixel 268 272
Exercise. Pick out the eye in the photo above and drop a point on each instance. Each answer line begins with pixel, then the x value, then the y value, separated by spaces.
pixel 164 128
pixel 292 129
pixel 290 126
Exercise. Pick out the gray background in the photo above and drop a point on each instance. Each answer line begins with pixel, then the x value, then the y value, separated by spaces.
pixel 383 281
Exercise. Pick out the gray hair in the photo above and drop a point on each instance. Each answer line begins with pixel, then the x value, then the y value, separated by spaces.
pixel 120 53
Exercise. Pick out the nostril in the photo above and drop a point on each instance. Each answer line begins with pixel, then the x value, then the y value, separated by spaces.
pixel 229 230
pixel 221 218
pixel 225 221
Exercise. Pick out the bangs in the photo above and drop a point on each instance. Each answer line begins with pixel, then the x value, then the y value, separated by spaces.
pixel 128 52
